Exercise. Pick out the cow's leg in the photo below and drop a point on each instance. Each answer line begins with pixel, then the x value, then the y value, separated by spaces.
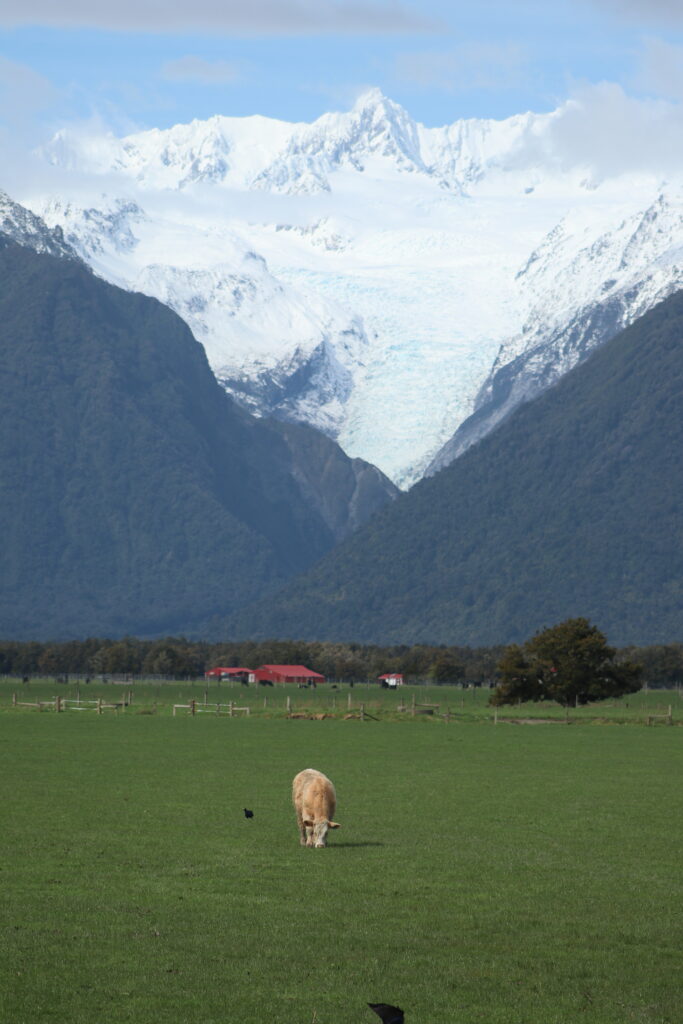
pixel 302 828
pixel 307 832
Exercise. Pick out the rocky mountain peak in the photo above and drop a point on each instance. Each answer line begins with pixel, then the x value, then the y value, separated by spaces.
pixel 386 129
pixel 31 231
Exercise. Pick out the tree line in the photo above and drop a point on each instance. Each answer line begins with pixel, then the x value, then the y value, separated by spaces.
pixel 179 658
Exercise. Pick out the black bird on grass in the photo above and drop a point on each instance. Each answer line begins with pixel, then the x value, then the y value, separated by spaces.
pixel 248 813
pixel 389 1014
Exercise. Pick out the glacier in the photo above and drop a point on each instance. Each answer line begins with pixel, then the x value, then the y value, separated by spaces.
pixel 386 282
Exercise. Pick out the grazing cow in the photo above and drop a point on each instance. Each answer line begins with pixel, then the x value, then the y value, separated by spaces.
pixel 314 801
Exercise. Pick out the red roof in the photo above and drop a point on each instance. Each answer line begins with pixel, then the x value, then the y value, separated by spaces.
pixel 391 675
pixel 291 671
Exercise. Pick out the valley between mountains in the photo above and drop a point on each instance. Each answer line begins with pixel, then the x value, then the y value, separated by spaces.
pixel 224 345
pixel 138 497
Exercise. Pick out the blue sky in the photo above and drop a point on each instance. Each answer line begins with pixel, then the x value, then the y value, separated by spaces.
pixel 144 63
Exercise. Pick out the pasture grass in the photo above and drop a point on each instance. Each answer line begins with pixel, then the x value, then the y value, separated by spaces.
pixel 481 874
pixel 461 704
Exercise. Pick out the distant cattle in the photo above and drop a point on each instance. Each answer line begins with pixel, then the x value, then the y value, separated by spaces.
pixel 315 801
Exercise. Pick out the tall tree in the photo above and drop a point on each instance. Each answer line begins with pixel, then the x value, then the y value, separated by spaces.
pixel 570 663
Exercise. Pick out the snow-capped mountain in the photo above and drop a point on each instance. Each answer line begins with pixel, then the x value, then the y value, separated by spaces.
pixel 24 227
pixel 259 331
pixel 583 295
pixel 379 279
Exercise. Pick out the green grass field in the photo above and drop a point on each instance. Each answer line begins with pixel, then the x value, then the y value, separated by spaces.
pixel 503 875
pixel 462 705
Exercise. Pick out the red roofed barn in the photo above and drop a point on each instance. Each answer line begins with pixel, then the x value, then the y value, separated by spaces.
pixel 391 679
pixel 287 674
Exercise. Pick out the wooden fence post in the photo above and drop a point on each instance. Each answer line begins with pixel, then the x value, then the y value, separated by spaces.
pixel 495 716
pixel 14 700
pixel 412 709
pixel 362 712
pixel 99 705
pixel 289 704
pixel 58 703
pixel 348 702
pixel 193 705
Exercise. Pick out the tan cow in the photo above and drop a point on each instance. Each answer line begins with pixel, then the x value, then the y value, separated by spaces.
pixel 314 802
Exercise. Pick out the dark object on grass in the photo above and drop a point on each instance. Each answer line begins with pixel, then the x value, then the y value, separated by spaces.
pixel 389 1014
pixel 248 814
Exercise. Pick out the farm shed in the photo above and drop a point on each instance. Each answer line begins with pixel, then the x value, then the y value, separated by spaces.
pixel 287 674
pixel 220 672
pixel 391 679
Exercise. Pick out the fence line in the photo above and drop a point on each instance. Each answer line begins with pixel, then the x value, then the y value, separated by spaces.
pixel 668 717
pixel 60 704
pixel 194 707
pixel 660 714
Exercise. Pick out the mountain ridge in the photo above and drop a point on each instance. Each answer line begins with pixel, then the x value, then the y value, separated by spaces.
pixel 137 497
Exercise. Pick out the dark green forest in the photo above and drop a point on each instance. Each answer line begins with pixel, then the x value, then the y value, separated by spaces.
pixel 572 507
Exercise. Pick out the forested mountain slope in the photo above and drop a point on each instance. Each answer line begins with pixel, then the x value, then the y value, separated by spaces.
pixel 136 496
pixel 573 506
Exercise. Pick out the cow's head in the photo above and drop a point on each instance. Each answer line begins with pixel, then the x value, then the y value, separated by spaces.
pixel 319 838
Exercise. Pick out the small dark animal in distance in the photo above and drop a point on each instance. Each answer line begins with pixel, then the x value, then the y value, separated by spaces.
pixel 389 1014
pixel 248 813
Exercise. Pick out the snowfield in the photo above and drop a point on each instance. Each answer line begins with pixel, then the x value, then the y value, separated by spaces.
pixel 367 274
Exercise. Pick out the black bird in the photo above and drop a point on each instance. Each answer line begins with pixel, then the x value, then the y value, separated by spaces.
pixel 389 1014
pixel 248 814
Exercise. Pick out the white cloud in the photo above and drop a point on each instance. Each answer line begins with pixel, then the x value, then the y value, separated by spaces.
pixel 466 67
pixel 196 69
pixel 609 132
pixel 255 17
